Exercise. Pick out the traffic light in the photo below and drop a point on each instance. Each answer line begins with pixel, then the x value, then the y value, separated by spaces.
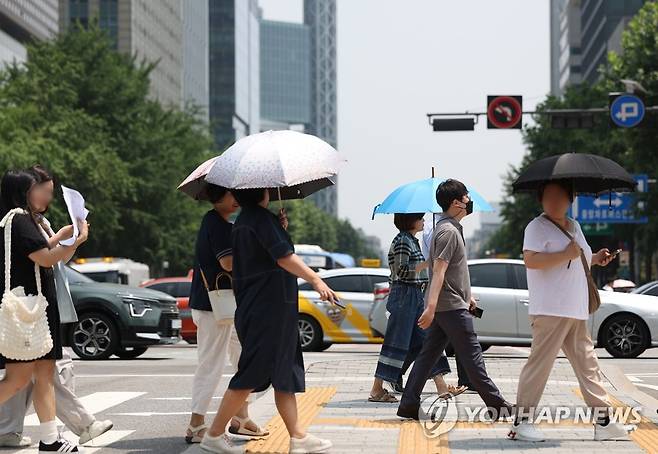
pixel 572 120
pixel 453 124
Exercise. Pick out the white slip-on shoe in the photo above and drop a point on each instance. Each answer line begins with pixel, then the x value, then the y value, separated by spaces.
pixel 14 440
pixel 309 444
pixel 220 445
pixel 525 431
pixel 95 429
pixel 613 431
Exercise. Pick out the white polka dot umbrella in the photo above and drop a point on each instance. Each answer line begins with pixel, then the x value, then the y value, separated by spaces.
pixel 295 164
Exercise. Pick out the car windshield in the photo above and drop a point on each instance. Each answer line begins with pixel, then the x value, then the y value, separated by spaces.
pixel 76 277
pixel 644 287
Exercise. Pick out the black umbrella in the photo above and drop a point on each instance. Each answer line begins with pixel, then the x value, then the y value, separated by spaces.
pixel 589 174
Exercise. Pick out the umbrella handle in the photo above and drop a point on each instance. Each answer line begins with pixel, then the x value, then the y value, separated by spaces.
pixel 375 211
pixel 280 201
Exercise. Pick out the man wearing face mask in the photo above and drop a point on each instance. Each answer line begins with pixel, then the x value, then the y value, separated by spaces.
pixel 448 306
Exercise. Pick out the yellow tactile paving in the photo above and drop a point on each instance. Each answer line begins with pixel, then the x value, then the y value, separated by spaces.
pixel 412 440
pixel 646 434
pixel 309 405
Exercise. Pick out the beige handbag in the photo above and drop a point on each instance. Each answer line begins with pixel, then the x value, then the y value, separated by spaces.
pixel 222 301
pixel 594 301
pixel 24 331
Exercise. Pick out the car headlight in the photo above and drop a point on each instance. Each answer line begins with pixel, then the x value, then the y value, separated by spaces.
pixel 138 307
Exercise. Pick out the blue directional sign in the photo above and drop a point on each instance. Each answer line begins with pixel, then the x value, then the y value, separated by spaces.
pixel 626 111
pixel 591 210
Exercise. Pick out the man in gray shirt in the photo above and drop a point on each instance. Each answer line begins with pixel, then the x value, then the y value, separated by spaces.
pixel 448 306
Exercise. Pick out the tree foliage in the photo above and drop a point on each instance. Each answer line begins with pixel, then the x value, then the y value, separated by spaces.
pixel 83 110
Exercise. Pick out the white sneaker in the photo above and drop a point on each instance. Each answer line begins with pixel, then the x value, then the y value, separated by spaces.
pixel 221 445
pixel 525 431
pixel 14 440
pixel 612 431
pixel 309 444
pixel 95 429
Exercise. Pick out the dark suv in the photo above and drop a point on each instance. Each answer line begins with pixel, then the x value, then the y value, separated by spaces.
pixel 118 319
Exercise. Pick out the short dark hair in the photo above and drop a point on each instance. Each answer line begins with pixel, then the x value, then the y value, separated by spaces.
pixel 448 191
pixel 249 197
pixel 405 221
pixel 14 188
pixel 41 174
pixel 564 184
pixel 215 193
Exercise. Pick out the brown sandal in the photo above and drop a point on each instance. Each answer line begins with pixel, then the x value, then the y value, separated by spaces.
pixel 457 390
pixel 384 397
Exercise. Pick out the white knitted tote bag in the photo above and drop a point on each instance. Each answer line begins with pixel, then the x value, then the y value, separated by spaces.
pixel 24 332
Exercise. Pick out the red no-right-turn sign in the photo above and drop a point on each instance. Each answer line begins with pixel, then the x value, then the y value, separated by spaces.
pixel 504 112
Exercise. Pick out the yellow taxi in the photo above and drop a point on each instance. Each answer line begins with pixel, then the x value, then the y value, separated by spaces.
pixel 322 324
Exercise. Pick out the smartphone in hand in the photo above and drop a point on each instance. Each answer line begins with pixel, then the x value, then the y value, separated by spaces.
pixel 616 253
pixel 477 312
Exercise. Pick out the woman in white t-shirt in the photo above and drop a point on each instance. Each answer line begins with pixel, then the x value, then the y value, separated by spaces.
pixel 559 310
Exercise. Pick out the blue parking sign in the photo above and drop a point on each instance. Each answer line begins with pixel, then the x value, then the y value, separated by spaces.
pixel 627 111
pixel 618 209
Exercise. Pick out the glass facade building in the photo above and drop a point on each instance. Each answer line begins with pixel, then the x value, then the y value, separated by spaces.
pixel 151 30
pixel 195 55
pixel 285 73
pixel 320 17
pixel 234 68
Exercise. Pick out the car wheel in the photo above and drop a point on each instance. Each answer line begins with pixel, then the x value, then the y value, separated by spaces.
pixel 130 352
pixel 310 334
pixel 94 336
pixel 625 336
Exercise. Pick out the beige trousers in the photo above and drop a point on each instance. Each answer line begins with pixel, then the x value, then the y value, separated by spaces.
pixel 549 335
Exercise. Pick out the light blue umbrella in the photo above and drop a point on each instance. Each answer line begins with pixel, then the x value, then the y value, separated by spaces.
pixel 420 197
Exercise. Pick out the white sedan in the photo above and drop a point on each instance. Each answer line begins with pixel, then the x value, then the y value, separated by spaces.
pixel 625 324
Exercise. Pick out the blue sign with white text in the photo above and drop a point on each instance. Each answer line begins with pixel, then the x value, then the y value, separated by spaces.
pixel 627 111
pixel 621 209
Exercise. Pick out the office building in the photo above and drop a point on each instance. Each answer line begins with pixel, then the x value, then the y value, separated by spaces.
pixel 151 30
pixel 285 75
pixel 234 68
pixel 22 21
pixel 583 32
pixel 195 55
pixel 320 17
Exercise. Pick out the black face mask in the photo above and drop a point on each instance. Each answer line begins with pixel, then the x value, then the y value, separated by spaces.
pixel 468 207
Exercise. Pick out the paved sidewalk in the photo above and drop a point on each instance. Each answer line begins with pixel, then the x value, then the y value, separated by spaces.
pixel 335 406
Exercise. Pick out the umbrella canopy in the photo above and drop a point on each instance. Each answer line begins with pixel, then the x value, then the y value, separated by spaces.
pixel 297 164
pixel 589 174
pixel 420 197
pixel 195 184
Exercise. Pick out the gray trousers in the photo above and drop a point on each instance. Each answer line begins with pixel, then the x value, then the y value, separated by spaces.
pixel 456 327
pixel 68 407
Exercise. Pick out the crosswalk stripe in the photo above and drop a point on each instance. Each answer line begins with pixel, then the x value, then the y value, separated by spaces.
pixel 95 403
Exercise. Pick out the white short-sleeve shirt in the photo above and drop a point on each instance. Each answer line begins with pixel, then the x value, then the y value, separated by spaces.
pixel 557 291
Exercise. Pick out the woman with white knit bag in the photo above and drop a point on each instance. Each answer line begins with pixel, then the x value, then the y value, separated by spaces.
pixel 29 319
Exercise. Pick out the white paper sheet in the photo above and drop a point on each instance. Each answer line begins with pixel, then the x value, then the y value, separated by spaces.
pixel 75 204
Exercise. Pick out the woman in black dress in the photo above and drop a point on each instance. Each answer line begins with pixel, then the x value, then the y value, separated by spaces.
pixel 29 246
pixel 265 271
